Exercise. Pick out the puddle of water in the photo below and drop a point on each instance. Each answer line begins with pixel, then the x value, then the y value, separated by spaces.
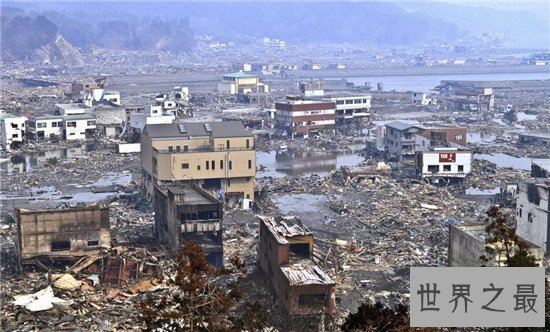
pixel 310 208
pixel 506 161
pixel 479 138
pixel 28 162
pixel 522 116
pixel 113 179
pixel 281 164
pixel 482 192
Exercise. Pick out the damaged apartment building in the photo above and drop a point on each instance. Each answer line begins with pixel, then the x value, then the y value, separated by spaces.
pixel 219 156
pixel 67 234
pixel 299 117
pixel 285 255
pixel 189 212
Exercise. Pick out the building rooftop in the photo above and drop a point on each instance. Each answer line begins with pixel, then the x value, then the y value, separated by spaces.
pixel 305 273
pixel 542 163
pixel 189 130
pixel 79 117
pixel 72 106
pixel 399 125
pixel 285 227
pixel 540 135
pixel 192 196
pixel 239 74
pixel 46 117
pixel 10 116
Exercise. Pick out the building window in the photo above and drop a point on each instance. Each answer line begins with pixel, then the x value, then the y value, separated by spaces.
pixel 55 124
pixel 207 164
pixel 433 168
pixel 185 166
pixel 61 245
pixel 15 136
pixel 41 125
pixel 221 164
pixel 461 168
pixel 311 300
pixel 221 146
pixel 530 217
pixel 229 182
pixel 198 167
pixel 249 164
pixel 247 196
pixel 230 164
pixel 71 134
pixel 213 164
pixel 248 144
pixel 520 212
pixel 71 124
pixel 446 168
pixel 93 243
pixel 459 137
pixel 91 123
pixel 227 144
pixel 170 148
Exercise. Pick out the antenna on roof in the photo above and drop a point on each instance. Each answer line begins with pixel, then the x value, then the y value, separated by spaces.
pixel 182 128
pixel 207 127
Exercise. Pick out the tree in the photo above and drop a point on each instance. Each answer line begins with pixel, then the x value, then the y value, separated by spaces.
pixel 503 245
pixel 203 299
pixel 377 317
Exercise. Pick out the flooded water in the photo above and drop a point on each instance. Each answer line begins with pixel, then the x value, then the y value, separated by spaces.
pixel 312 209
pixel 51 196
pixel 482 192
pixel 27 162
pixel 281 164
pixel 522 116
pixel 506 161
pixel 479 138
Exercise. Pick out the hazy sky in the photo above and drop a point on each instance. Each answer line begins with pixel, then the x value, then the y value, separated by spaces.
pixel 540 8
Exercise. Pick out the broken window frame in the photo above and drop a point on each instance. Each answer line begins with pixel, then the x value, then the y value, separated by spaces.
pixel 60 246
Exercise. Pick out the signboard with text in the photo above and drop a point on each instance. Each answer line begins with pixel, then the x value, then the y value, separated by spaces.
pixel 447 157
pixel 477 296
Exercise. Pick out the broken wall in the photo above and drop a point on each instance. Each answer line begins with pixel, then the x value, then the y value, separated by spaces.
pixel 64 232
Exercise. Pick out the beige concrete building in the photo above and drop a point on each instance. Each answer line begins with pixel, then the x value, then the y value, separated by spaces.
pixel 239 82
pixel 219 156
pixel 62 233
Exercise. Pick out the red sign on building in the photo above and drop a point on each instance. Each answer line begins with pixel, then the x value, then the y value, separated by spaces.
pixel 447 157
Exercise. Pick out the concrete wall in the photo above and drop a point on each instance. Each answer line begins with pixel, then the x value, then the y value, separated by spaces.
pixel 12 129
pixel 464 248
pixel 129 148
pixel 532 213
pixel 38 230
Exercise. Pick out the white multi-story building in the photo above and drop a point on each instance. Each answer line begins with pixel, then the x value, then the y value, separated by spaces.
pixel 12 129
pixel 421 98
pixel 533 211
pixel 45 126
pixel 77 126
pixel 351 107
pixel 151 115
pixel 444 163
pixel 69 127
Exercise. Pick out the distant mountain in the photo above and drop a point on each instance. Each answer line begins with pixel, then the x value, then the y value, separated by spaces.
pixel 27 35
pixel 167 25
pixel 529 29
pixel 58 51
